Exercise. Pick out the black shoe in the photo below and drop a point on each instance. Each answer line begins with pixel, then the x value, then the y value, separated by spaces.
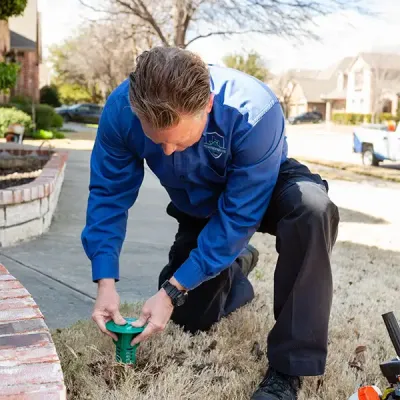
pixel 248 259
pixel 278 386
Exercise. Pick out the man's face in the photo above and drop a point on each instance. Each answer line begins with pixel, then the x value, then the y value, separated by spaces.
pixel 181 136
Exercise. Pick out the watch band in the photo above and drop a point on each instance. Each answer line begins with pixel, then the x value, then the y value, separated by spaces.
pixel 178 297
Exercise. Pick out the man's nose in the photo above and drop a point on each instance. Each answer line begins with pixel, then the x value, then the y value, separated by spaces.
pixel 168 148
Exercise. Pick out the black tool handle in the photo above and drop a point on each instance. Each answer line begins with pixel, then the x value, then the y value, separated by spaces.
pixel 393 329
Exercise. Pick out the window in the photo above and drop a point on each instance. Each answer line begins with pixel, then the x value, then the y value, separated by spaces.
pixel 358 80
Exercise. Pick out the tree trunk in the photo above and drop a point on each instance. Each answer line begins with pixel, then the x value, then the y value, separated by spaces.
pixel 4 39
pixel 180 30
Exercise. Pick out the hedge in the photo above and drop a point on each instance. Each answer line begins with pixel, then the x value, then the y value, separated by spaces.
pixel 10 116
pixel 354 119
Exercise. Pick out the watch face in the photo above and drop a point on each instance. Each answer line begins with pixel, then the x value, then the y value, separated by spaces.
pixel 180 300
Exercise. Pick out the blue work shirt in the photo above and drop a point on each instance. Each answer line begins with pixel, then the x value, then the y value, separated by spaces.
pixel 228 176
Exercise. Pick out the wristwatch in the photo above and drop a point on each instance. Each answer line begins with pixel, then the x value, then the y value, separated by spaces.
pixel 178 297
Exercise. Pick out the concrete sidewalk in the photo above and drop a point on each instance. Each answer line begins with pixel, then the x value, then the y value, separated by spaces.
pixel 54 267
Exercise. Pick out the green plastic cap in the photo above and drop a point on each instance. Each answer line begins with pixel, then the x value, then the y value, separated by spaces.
pixel 124 352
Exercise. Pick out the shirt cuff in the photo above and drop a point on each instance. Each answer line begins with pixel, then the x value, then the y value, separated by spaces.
pixel 105 267
pixel 190 275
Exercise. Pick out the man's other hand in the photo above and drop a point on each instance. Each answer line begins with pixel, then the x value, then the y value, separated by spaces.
pixel 106 307
pixel 156 312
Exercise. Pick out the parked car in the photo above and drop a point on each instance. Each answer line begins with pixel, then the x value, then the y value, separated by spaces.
pixel 377 142
pixel 85 113
pixel 310 116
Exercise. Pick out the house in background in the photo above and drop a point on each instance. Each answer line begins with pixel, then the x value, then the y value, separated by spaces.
pixel 374 84
pixel 26 47
pixel 366 84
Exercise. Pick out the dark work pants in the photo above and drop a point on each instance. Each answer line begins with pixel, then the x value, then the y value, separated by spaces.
pixel 305 223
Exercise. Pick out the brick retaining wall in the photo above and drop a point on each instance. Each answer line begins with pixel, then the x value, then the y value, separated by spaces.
pixel 26 211
pixel 29 365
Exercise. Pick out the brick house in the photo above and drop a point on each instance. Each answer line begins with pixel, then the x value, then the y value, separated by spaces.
pixel 25 44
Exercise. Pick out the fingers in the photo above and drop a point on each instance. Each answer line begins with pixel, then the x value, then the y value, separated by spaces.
pixel 144 316
pixel 150 330
pixel 118 318
pixel 101 323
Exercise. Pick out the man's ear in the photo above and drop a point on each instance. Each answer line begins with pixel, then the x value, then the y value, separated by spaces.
pixel 210 103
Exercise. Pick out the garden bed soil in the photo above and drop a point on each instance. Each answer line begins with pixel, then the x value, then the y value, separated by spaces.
pixel 18 171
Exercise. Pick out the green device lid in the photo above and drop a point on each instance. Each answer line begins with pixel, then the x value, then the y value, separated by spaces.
pixel 127 328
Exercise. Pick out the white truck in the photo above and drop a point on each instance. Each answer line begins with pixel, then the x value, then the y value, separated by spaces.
pixel 376 143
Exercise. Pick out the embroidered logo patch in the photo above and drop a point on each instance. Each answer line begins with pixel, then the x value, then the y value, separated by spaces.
pixel 215 144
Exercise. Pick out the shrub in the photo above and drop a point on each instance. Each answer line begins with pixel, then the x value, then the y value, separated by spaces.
pixel 58 121
pixel 21 99
pixel 10 116
pixel 58 135
pixel 45 116
pixel 49 95
pixel 355 119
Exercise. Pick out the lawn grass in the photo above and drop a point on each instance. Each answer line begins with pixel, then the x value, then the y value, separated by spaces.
pixel 387 174
pixel 229 361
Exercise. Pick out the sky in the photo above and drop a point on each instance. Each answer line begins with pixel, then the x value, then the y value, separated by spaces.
pixel 344 34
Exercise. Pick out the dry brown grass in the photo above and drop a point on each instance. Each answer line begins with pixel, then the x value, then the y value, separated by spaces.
pixel 382 172
pixel 225 363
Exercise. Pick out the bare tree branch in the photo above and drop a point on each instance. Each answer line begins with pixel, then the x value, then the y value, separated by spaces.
pixel 175 21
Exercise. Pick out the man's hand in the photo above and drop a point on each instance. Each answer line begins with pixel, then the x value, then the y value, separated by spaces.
pixel 156 313
pixel 106 307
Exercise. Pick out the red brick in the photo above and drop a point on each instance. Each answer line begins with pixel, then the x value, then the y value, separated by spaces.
pixel 28 355
pixel 13 293
pixel 8 285
pixel 19 313
pixel 26 194
pixel 31 374
pixel 46 189
pixel 7 277
pixel 34 191
pixel 34 325
pixel 17 303
pixel 12 342
pixel 17 196
pixel 49 391
pixel 3 270
pixel 41 190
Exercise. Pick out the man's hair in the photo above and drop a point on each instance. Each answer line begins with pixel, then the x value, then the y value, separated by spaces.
pixel 168 82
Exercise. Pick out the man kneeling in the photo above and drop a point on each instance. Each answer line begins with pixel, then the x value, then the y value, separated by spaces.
pixel 215 138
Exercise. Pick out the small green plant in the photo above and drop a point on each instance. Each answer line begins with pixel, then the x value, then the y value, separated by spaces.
pixel 10 116
pixel 259 275
pixel 8 75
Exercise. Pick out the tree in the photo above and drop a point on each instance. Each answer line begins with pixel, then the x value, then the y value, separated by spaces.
pixel 182 22
pixel 284 86
pixel 8 68
pixel 8 8
pixel 251 64
pixel 98 59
